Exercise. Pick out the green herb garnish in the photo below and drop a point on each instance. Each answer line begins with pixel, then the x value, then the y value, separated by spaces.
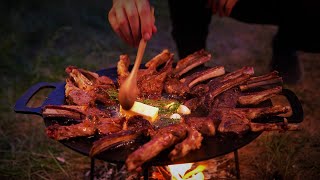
pixel 113 94
pixel 166 106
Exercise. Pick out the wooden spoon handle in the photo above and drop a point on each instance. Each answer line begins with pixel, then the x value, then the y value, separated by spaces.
pixel 142 47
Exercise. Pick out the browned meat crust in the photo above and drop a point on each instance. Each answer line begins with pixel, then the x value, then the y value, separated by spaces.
pixel 163 139
pixel 57 132
pixel 122 68
pixel 181 87
pixel 87 127
pixel 202 124
pixel 85 87
pixel 238 120
pixel 151 80
pixel 192 142
pixel 135 127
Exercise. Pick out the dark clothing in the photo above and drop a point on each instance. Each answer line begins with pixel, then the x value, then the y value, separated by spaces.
pixel 297 22
pixel 190 20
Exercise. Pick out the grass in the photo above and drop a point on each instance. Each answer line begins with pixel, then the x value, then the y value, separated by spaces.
pixel 34 49
pixel 279 155
pixel 291 155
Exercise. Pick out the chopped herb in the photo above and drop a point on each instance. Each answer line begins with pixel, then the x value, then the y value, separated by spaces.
pixel 113 94
pixel 162 122
pixel 166 106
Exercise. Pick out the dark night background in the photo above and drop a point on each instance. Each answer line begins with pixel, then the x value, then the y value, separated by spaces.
pixel 39 39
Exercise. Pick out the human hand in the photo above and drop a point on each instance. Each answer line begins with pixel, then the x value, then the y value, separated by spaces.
pixel 132 20
pixel 222 7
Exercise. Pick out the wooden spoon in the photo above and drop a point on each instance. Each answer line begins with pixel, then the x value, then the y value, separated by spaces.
pixel 129 91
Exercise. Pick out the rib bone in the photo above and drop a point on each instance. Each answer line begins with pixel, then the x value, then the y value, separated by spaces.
pixel 195 78
pixel 72 112
pixel 192 142
pixel 112 140
pixel 268 79
pixel 231 80
pixel 258 97
pixel 191 61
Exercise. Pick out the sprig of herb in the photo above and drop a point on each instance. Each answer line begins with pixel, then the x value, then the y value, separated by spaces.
pixel 168 110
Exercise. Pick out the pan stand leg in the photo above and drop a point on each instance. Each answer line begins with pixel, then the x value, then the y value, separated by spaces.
pixel 146 173
pixel 236 160
pixel 92 169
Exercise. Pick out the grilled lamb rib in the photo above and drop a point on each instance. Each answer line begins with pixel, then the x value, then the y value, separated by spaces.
pixel 136 126
pixel 228 81
pixel 151 80
pixel 225 91
pixel 92 120
pixel 88 80
pixel 85 88
pixel 217 86
pixel 185 136
pixel 73 112
pixel 181 87
pixel 263 80
pixel 191 61
pixel 238 120
pixel 192 142
pixel 162 139
pixel 260 96
pixel 87 127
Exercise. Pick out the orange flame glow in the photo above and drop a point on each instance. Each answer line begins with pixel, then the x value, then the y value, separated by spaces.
pixel 178 172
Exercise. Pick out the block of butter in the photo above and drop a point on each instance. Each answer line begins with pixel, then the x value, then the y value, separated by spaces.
pixel 150 113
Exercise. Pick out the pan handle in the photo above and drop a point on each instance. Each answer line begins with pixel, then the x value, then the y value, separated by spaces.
pixel 296 106
pixel 21 104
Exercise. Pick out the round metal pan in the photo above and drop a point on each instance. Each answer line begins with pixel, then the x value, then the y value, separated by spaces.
pixel 211 146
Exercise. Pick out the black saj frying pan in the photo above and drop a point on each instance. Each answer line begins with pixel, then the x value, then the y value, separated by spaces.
pixel 211 146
